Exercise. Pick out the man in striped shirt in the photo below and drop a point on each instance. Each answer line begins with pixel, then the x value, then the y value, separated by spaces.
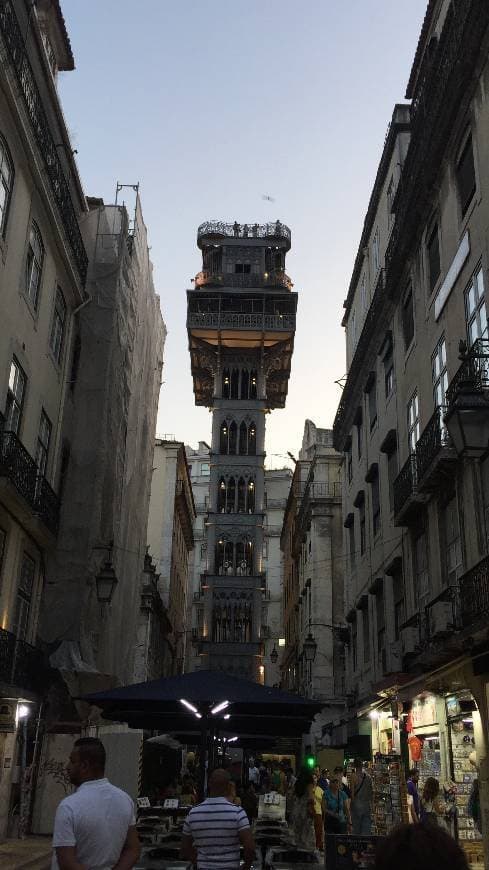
pixel 214 830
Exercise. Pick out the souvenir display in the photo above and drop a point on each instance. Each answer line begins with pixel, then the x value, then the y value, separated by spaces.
pixel 389 794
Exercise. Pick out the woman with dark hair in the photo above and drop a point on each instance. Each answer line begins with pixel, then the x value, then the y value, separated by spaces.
pixel 423 847
pixel 302 815
pixel 433 808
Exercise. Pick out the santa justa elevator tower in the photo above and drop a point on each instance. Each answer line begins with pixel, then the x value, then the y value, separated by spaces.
pixel 241 323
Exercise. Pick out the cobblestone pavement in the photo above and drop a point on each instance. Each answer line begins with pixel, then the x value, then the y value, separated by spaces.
pixel 33 853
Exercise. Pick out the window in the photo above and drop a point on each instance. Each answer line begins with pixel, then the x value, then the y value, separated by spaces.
pixel 372 401
pixel 15 397
pixel 6 182
pixel 242 268
pixel 451 542
pixel 433 255
pixel 388 372
pixel 407 316
pixel 390 202
pixel 366 635
pixel 475 308
pixel 439 373
pixel 413 422
pixel 33 269
pixel 375 488
pixel 465 174
pixel 24 596
pixel 205 469
pixel 380 615
pixel 420 565
pixel 43 440
pixel 376 251
pixel 58 328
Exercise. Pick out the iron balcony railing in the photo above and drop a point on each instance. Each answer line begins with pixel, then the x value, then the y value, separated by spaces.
pixel 276 230
pixel 405 484
pixel 14 41
pixel 474 594
pixel 434 438
pixel 473 371
pixel 275 322
pixel 19 467
pixel 20 663
pixel 225 279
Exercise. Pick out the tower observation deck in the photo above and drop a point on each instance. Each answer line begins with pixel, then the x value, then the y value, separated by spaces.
pixel 241 324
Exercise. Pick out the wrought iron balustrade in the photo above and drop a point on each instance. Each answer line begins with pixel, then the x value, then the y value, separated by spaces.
pixel 20 663
pixel 20 468
pixel 244 231
pixel 473 371
pixel 405 483
pixel 196 320
pixel 434 438
pixel 474 594
pixel 230 279
pixel 14 41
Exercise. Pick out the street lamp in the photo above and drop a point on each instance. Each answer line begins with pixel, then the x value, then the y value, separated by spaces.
pixel 274 655
pixel 309 648
pixel 106 581
pixel 467 416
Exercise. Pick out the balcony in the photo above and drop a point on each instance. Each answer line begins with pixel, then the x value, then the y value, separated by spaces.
pixel 258 322
pixel 474 595
pixel 224 279
pixel 435 455
pixel 406 493
pixel 41 130
pixel 20 663
pixel 19 468
pixel 473 371
pixel 219 229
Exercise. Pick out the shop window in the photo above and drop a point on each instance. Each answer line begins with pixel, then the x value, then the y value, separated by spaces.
pixel 433 256
pixel 475 308
pixel 407 317
pixel 465 175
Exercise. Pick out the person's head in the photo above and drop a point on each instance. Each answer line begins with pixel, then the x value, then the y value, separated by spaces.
pixel 358 765
pixel 431 789
pixel 413 774
pixel 425 847
pixel 314 779
pixel 317 771
pixel 334 784
pixel 231 792
pixel 338 771
pixel 86 761
pixel 304 780
pixel 219 782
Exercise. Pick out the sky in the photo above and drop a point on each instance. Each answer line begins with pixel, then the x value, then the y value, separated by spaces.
pixel 213 104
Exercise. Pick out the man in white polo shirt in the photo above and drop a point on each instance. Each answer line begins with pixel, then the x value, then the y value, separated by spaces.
pixel 94 828
pixel 214 830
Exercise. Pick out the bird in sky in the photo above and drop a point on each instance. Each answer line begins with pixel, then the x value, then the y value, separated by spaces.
pixel 268 198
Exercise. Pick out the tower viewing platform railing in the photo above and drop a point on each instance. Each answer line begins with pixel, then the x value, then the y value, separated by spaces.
pixel 270 322
pixel 229 279
pixel 275 230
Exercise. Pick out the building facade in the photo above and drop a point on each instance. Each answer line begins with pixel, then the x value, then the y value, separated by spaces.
pixel 277 486
pixel 43 266
pixel 241 324
pixel 199 464
pixel 415 475
pixel 312 543
pixel 171 540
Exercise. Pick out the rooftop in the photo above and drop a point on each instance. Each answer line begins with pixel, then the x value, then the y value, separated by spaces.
pixel 220 230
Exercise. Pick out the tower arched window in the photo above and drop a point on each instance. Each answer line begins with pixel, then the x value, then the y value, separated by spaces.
pixel 245 383
pixel 235 384
pixel 252 440
pixel 241 495
pixel 253 384
pixel 221 496
pixel 243 439
pixel 226 384
pixel 233 437
pixel 224 438
pixel 230 495
pixel 224 557
pixel 244 557
pixel 250 499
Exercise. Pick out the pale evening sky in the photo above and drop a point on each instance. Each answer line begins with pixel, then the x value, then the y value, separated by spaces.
pixel 210 105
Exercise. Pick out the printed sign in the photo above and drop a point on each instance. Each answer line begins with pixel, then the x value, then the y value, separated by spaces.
pixel 345 852
pixel 424 711
pixel 171 804
pixel 143 802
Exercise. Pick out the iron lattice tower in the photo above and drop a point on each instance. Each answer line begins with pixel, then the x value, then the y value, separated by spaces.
pixel 241 324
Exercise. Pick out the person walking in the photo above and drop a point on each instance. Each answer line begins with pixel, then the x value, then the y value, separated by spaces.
pixel 412 790
pixel 336 806
pixel 302 812
pixel 95 827
pixel 433 807
pixel 318 794
pixel 361 800
pixel 214 830
pixel 254 774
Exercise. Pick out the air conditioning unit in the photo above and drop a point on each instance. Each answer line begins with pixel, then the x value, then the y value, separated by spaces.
pixel 440 619
pixel 409 639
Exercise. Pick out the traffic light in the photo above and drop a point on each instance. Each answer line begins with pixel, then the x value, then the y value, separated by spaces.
pixel 310 762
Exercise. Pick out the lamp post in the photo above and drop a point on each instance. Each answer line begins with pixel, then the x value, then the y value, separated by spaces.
pixel 274 655
pixel 23 713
